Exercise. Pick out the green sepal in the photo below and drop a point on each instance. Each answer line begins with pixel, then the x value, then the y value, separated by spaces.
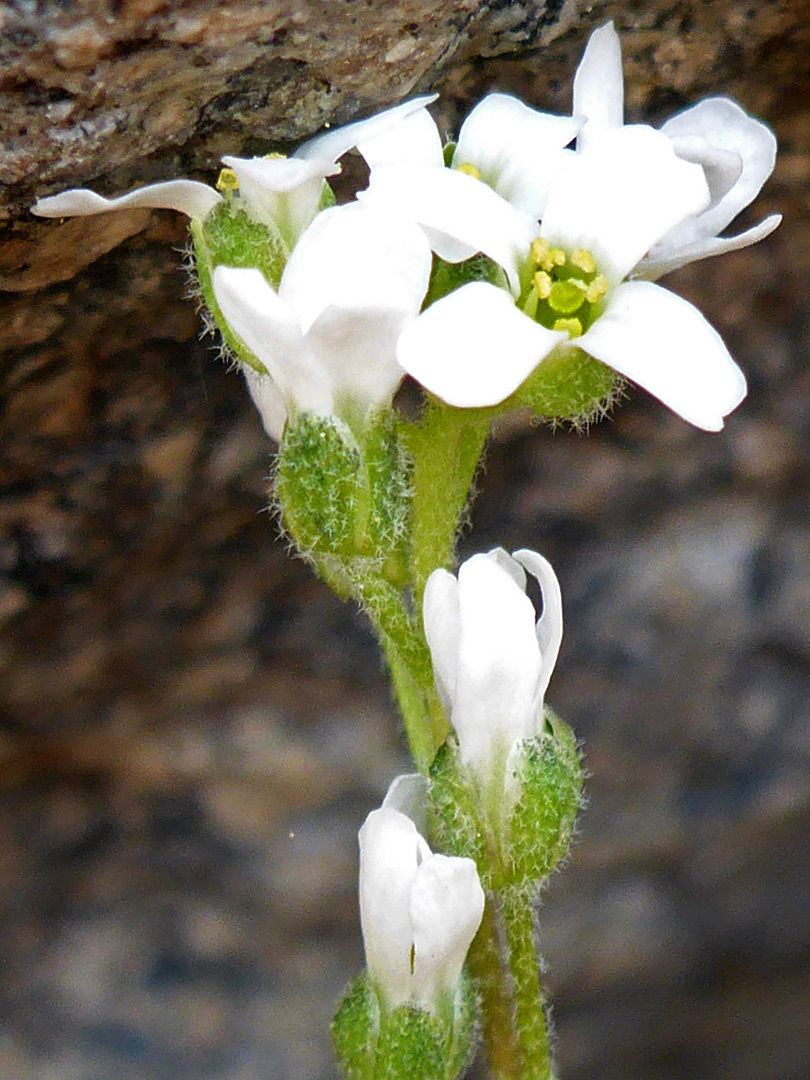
pixel 228 236
pixel 549 777
pixel 345 491
pixel 446 277
pixel 569 386
pixel 457 822
pixel 512 846
pixel 318 484
pixel 405 1043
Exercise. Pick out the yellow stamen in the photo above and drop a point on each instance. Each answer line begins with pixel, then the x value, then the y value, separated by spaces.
pixel 597 289
pixel 572 326
pixel 584 261
pixel 542 282
pixel 468 170
pixel 227 181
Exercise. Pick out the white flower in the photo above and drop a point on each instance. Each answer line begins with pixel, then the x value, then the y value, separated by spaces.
pixel 736 152
pixel 419 911
pixel 492 662
pixel 619 196
pixel 278 191
pixel 328 336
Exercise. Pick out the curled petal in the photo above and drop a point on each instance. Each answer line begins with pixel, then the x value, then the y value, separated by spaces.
pixel 666 346
pixel 722 168
pixel 549 627
pixel 442 620
pixel 269 400
pixel 624 192
pixel 391 850
pixel 354 257
pixel 334 144
pixel 499 662
pixel 474 348
pixel 269 328
pixel 655 266
pixel 599 86
pixel 723 124
pixel 446 907
pixel 409 794
pixel 188 196
pixel 415 139
pixel 518 151
pixel 453 205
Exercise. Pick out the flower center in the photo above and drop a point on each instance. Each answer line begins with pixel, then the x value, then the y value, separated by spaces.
pixel 565 292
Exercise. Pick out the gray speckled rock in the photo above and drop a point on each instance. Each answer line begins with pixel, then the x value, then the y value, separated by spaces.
pixel 192 729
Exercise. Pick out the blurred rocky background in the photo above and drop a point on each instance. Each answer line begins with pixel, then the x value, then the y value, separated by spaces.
pixel 193 728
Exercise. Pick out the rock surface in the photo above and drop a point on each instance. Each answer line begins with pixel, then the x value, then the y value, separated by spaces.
pixel 192 728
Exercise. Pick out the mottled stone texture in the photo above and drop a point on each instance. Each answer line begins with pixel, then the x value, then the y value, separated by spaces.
pixel 192 728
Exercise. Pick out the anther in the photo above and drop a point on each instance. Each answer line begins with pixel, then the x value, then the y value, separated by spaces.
pixel 543 283
pixel 597 289
pixel 584 261
pixel 572 326
pixel 226 181
pixel 468 170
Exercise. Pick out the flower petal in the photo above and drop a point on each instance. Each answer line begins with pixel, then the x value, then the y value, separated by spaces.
pixel 666 346
pixel 499 663
pixel 518 151
pixel 652 267
pixel 446 907
pixel 442 621
pixel 334 144
pixel 390 852
pixel 269 400
pixel 188 196
pixel 549 627
pixel 723 124
pixel 624 192
pixel 415 139
pixel 455 205
pixel 599 86
pixel 357 257
pixel 474 348
pixel 409 793
pixel 356 347
pixel 285 192
pixel 270 330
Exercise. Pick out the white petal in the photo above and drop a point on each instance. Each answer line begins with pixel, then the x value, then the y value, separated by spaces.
pixel 622 194
pixel 499 663
pixel 455 205
pixel 722 168
pixel 285 192
pixel 722 123
pixel 447 904
pixel 655 266
pixel 474 347
pixel 599 86
pixel 415 139
pixel 356 256
pixel 356 347
pixel 390 852
pixel 188 196
pixel 270 330
pixel 334 144
pixel 409 794
pixel 269 400
pixel 442 621
pixel 550 624
pixel 665 345
pixel 518 151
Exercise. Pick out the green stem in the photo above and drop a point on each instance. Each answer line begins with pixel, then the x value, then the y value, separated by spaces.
pixel 504 960
pixel 446 448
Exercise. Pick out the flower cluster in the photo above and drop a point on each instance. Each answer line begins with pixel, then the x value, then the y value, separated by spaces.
pixel 576 215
